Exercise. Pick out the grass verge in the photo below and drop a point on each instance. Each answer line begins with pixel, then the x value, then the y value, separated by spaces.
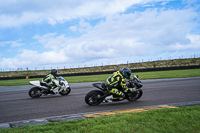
pixel 176 120
pixel 103 77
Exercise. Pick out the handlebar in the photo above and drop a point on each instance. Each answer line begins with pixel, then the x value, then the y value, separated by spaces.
pixel 135 81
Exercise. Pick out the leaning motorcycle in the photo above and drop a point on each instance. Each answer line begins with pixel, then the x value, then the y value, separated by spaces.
pixel 39 89
pixel 95 97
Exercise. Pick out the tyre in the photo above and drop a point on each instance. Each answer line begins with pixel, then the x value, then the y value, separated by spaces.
pixel 64 93
pixel 134 96
pixel 35 92
pixel 93 98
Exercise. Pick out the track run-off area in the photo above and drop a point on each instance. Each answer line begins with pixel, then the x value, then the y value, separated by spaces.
pixel 16 105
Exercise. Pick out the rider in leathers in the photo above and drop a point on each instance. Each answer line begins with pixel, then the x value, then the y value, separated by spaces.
pixel 49 80
pixel 116 82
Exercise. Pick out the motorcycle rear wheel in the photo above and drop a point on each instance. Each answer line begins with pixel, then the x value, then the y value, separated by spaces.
pixel 134 96
pixel 35 92
pixel 93 98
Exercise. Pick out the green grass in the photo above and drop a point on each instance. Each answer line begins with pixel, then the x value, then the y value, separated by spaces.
pixel 103 77
pixel 176 120
pixel 170 74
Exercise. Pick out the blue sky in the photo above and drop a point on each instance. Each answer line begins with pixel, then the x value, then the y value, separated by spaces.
pixel 65 33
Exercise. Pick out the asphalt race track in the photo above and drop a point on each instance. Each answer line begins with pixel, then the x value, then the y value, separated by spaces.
pixel 16 105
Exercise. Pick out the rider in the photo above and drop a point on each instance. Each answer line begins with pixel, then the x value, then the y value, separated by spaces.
pixel 49 80
pixel 116 81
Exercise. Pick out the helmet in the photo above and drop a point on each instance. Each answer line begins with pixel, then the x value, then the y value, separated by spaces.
pixel 54 72
pixel 126 72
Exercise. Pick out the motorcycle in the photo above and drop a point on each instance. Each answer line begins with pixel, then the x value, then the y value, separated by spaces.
pixel 40 89
pixel 95 97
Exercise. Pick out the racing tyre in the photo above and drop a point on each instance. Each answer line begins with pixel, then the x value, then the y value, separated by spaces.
pixel 134 96
pixel 35 92
pixel 93 98
pixel 64 93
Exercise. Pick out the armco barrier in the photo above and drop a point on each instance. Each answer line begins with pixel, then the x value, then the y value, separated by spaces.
pixel 109 72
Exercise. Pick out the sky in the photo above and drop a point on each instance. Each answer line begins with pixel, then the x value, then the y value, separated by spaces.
pixel 48 34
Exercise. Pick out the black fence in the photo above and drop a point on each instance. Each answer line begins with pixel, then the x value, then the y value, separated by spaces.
pixel 109 72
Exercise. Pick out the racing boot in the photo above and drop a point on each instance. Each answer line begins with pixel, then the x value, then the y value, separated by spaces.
pixel 118 97
pixel 52 89
pixel 108 98
pixel 128 90
pixel 55 89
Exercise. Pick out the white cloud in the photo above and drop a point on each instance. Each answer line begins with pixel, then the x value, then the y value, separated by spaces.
pixel 73 28
pixel 33 58
pixel 194 44
pixel 11 43
pixel 150 33
pixel 126 35
pixel 18 13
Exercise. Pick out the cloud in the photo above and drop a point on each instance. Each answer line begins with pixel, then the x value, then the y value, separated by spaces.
pixel 128 35
pixel 33 58
pixel 113 37
pixel 73 28
pixel 194 44
pixel 12 44
pixel 19 13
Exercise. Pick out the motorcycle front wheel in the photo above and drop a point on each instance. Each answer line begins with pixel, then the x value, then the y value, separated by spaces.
pixel 63 93
pixel 134 96
pixel 93 98
pixel 35 92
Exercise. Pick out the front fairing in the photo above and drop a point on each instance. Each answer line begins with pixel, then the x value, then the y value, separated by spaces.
pixel 134 79
pixel 65 83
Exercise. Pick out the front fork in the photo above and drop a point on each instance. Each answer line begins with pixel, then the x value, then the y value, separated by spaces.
pixel 65 89
pixel 132 92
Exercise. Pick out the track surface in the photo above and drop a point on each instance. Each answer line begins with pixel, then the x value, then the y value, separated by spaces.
pixel 16 105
